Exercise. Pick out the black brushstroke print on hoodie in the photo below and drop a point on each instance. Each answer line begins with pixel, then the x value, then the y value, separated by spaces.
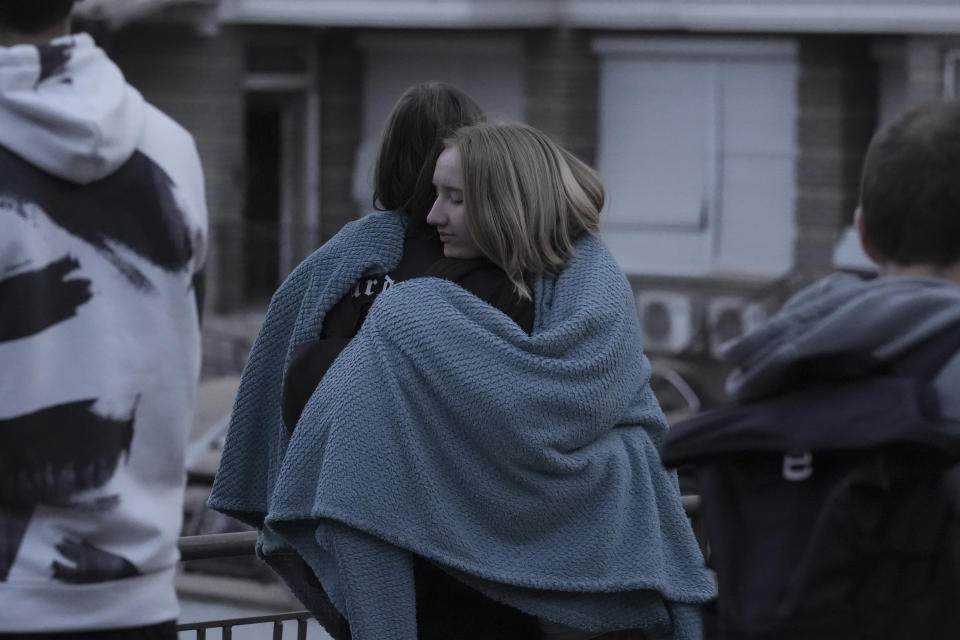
pixel 90 564
pixel 56 452
pixel 41 298
pixel 118 209
pixel 103 231
pixel 51 455
pixel 53 60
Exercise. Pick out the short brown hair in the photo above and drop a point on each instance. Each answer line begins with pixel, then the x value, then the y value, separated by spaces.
pixel 526 198
pixel 910 188
pixel 412 139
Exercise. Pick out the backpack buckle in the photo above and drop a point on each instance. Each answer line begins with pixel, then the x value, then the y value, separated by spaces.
pixel 797 465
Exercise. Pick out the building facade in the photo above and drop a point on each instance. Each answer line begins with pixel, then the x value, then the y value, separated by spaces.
pixel 729 134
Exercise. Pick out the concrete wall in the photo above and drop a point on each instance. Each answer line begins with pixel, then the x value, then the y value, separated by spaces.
pixel 729 16
pixel 924 59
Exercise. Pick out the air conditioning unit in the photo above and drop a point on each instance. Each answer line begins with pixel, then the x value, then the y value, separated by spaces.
pixel 668 321
pixel 729 318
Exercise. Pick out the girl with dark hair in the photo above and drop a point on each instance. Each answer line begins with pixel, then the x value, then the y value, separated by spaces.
pixel 410 144
pixel 411 141
pixel 412 138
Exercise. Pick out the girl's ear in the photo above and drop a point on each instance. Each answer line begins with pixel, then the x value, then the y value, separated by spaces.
pixel 868 247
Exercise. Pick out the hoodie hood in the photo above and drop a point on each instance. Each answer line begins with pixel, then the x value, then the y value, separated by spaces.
pixel 883 317
pixel 67 109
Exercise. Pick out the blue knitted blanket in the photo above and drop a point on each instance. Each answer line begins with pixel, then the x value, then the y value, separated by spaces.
pixel 525 466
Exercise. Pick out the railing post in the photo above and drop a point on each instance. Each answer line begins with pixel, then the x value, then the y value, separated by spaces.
pixel 225 545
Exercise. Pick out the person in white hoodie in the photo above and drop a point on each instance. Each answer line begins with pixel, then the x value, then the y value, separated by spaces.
pixel 102 244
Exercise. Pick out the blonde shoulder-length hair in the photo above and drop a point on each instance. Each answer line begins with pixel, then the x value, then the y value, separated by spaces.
pixel 526 199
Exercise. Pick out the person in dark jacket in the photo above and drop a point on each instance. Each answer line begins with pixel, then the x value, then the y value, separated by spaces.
pixel 418 123
pixel 909 224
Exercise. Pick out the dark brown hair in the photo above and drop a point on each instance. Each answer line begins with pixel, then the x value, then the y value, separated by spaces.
pixel 33 16
pixel 412 139
pixel 910 188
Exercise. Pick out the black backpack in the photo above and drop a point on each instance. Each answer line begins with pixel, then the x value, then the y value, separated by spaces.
pixel 828 509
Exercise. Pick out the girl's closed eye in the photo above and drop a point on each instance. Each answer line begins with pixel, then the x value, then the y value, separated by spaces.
pixel 448 214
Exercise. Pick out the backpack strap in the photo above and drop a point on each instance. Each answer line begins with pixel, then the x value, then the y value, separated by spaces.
pixel 926 360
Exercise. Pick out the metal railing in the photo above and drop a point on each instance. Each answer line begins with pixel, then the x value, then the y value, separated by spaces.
pixel 229 545
pixel 218 545
pixel 243 543
pixel 226 626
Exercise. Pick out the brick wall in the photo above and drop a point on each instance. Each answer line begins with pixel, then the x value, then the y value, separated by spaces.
pixel 341 77
pixel 837 96
pixel 561 86
pixel 198 81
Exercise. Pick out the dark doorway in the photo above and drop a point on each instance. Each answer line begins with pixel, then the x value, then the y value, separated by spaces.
pixel 261 246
